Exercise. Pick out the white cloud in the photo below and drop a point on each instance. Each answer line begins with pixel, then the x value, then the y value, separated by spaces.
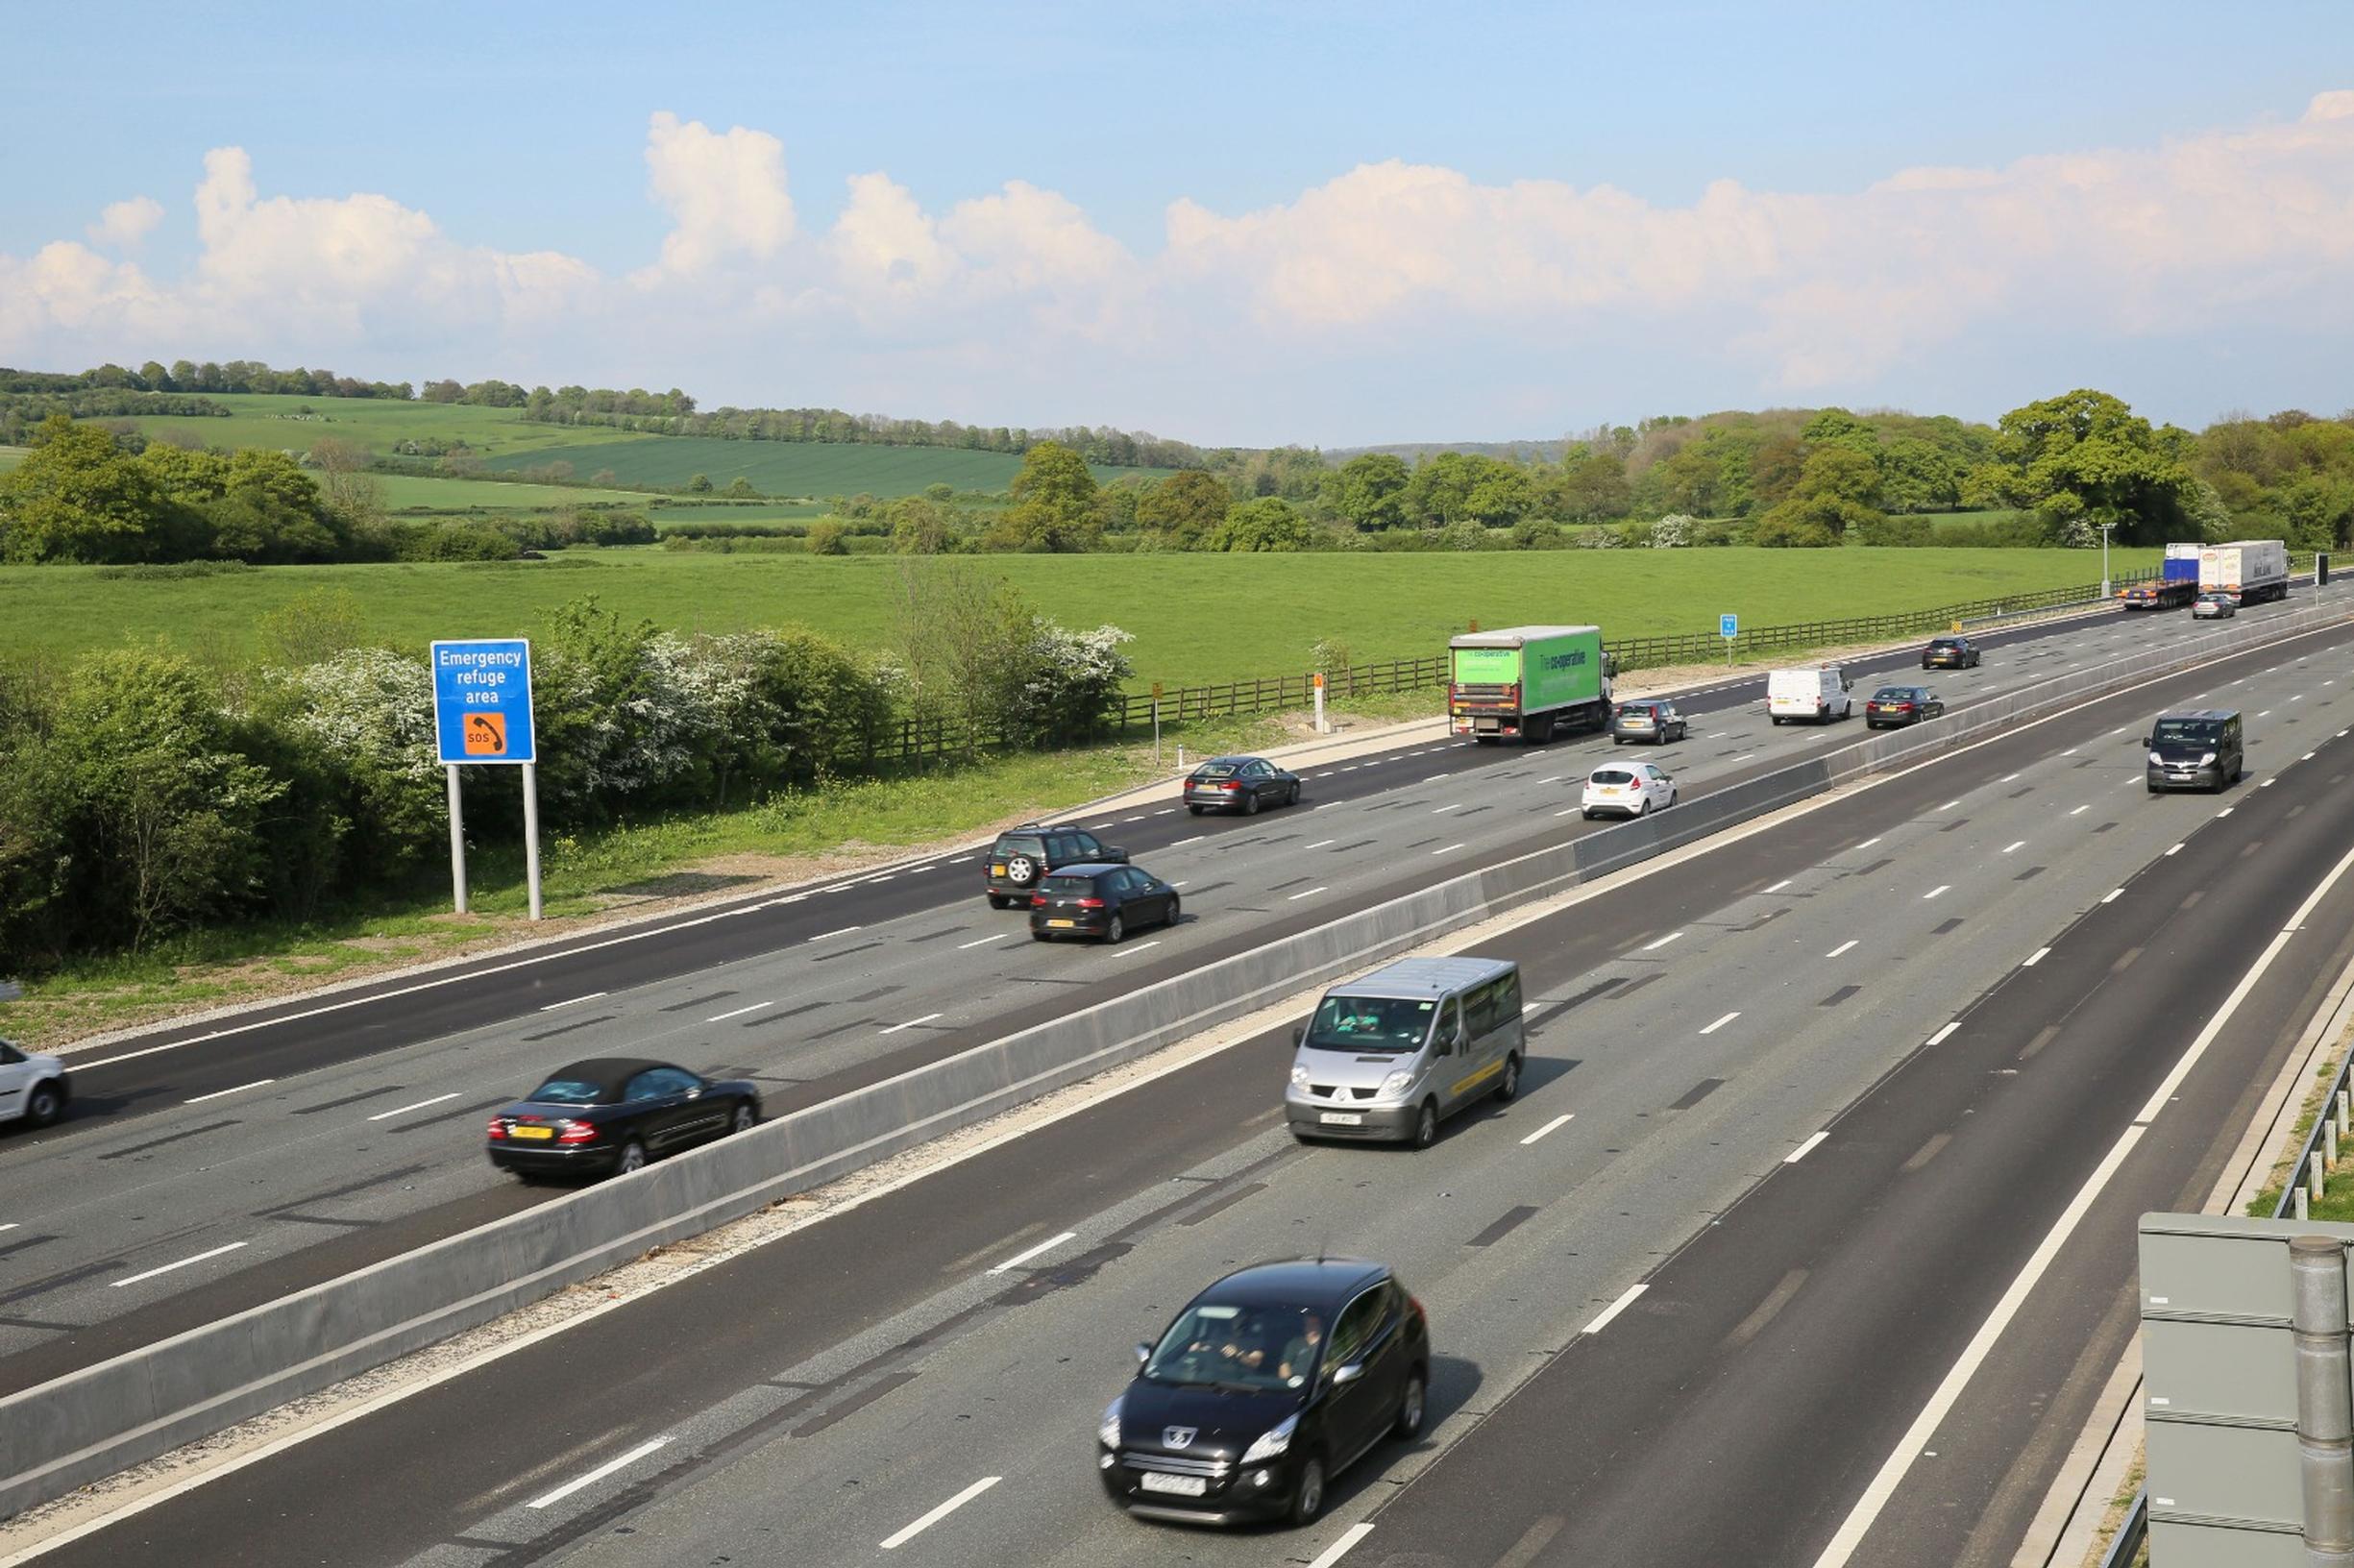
pixel 726 194
pixel 124 224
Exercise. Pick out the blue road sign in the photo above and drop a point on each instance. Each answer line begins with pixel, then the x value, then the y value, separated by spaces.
pixel 1729 625
pixel 483 700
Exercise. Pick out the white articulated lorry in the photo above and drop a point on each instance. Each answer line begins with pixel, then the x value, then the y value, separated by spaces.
pixel 2251 570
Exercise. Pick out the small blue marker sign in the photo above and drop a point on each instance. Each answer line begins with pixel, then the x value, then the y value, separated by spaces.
pixel 1729 625
pixel 483 700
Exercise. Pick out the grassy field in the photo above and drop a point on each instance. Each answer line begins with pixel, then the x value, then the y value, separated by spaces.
pixel 497 434
pixel 796 468
pixel 11 456
pixel 403 491
pixel 1196 618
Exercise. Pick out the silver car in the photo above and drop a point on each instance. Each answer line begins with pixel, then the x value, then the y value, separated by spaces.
pixel 2214 607
pixel 1386 1057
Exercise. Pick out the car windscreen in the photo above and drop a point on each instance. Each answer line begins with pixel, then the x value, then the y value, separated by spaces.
pixel 1035 848
pixel 1611 776
pixel 1216 770
pixel 1245 1348
pixel 2186 732
pixel 1944 644
pixel 1635 710
pixel 1068 886
pixel 568 1091
pixel 1370 1024
pixel 1893 694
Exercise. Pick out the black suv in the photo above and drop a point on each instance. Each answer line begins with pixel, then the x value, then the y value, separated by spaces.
pixel 1028 852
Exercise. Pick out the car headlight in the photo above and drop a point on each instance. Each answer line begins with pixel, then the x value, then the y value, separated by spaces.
pixel 2207 759
pixel 1299 1077
pixel 1273 1441
pixel 1397 1082
pixel 1107 1430
pixel 2156 761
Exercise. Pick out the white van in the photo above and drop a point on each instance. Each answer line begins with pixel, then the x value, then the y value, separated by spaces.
pixel 1817 692
pixel 1386 1057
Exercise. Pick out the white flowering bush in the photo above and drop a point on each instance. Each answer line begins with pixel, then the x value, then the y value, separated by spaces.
pixel 1674 531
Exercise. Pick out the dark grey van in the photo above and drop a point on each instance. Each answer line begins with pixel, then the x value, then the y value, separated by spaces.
pixel 1386 1057
pixel 2195 748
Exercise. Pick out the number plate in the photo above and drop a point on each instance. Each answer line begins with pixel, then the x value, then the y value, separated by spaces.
pixel 531 1133
pixel 1343 1118
pixel 1063 925
pixel 1152 1480
pixel 996 870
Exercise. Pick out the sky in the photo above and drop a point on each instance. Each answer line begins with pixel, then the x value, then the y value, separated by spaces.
pixel 1335 225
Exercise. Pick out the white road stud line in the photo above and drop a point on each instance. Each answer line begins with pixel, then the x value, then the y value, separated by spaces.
pixel 2036 957
pixel 843 931
pixel 569 1001
pixel 1942 1035
pixel 1720 1023
pixel 1048 1245
pixel 1448 850
pixel 220 1092
pixel 911 1023
pixel 1295 898
pixel 1841 949
pixel 439 1100
pixel 1602 1319
pixel 182 1264
pixel 1804 1149
pixel 977 941
pixel 1553 1126
pixel 1655 947
pixel 750 1006
pixel 1339 1548
pixel 2019 844
pixel 597 1475
pixel 1942 887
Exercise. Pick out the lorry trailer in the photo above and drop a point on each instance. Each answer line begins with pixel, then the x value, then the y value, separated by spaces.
pixel 2251 570
pixel 1528 682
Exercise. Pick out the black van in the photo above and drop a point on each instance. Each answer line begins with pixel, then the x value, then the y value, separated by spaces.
pixel 2195 748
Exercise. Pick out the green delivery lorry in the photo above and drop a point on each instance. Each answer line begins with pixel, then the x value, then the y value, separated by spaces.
pixel 1526 682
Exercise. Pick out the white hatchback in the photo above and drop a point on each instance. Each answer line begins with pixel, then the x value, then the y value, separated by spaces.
pixel 1627 790
pixel 33 1088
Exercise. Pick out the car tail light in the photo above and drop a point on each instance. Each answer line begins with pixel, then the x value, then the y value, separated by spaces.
pixel 1037 900
pixel 1230 784
pixel 1090 903
pixel 575 1132
pixel 1905 707
pixel 1420 1317
pixel 497 1127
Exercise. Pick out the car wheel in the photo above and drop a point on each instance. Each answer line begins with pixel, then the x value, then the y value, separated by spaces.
pixel 1671 797
pixel 1778 721
pixel 1642 807
pixel 1250 804
pixel 44 1105
pixel 1508 1090
pixel 1660 739
pixel 1618 740
pixel 1172 910
pixel 633 1158
pixel 1307 1497
pixel 2153 788
pixel 1426 1126
pixel 744 1120
pixel 1411 1405
pixel 1114 931
pixel 1588 815
pixel 998 900
pixel 1041 936
pixel 1292 799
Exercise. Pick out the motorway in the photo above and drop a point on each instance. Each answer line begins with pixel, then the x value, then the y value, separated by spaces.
pixel 1798 1109
pixel 209 1170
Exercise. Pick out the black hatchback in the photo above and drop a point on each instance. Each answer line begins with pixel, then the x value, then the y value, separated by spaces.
pixel 1894 705
pixel 1107 901
pixel 614 1114
pixel 1951 653
pixel 1023 855
pixel 1267 1385
pixel 1242 784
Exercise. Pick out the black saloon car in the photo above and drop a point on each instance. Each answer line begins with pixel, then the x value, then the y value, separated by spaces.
pixel 1894 705
pixel 1242 784
pixel 614 1114
pixel 1107 901
pixel 1267 1385
pixel 1951 653
pixel 1652 719
pixel 1023 854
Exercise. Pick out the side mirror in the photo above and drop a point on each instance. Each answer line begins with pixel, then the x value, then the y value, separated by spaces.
pixel 1117 857
pixel 2149 741
pixel 1143 1353
pixel 1348 1372
pixel 1299 1035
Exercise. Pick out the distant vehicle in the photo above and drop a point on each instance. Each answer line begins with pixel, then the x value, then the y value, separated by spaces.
pixel 1622 791
pixel 1387 1056
pixel 1107 901
pixel 1268 1385
pixel 1951 653
pixel 1814 693
pixel 1023 855
pixel 2195 748
pixel 1241 784
pixel 1528 682
pixel 2251 570
pixel 2217 606
pixel 1653 718
pixel 2176 584
pixel 1893 706
pixel 33 1090
pixel 614 1114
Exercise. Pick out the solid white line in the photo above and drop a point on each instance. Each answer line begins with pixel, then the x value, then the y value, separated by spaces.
pixel 2173 849
pixel 1448 850
pixel 1195 838
pixel 597 1475
pixel 1870 842
pixel 569 1001
pixel 218 1092
pixel 977 941
pixel 1126 952
pixel 2036 957
pixel 2307 757
pixel 182 1264
pixel 2226 811
pixel 2111 897
pixel 1295 898
pixel 1339 1548
pixel 1778 886
pixel 1553 1126
pixel 1602 1319
pixel 1021 1258
pixel 1939 1037
pixel 1804 1149
pixel 1655 947
pixel 723 1017
pixel 387 1115
pixel 824 935
pixel 2268 783
pixel 2008 848
pixel 1941 887
pixel 1720 1023
pixel 911 1023
pixel 1841 949
pixel 1319 844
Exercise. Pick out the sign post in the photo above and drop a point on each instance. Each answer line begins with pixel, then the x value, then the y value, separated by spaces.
pixel 1729 628
pixel 1320 727
pixel 482 714
pixel 1156 726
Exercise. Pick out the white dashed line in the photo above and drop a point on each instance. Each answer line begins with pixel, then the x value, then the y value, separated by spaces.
pixel 1021 1258
pixel 1841 949
pixel 2307 757
pixel 569 1001
pixel 2082 810
pixel 1778 886
pixel 1171 811
pixel 598 1474
pixel 1349 1537
pixel 1295 898
pixel 2009 778
pixel 1131 952
pixel 917 870
pixel 1195 838
pixel 981 941
pixel 387 1115
pixel 1553 1126
pixel 2266 714
pixel 1448 850
pixel 2071 752
pixel 1941 887
pixel 757 1006
pixel 1319 844
pixel 1655 947
pixel 220 1092
pixel 960 860
pixel 1949 805
pixel 182 1264
pixel 1435 777
pixel 1720 1023
pixel 2034 958
pixel 1442 811
pixel 845 931
pixel 911 1023
pixel 2019 844
pixel 2112 895
pixel 2266 784
pixel 1804 1149
pixel 1602 1319
pixel 1870 842
pixel 2225 811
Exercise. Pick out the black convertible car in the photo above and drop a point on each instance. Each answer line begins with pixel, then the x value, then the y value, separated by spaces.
pixel 614 1114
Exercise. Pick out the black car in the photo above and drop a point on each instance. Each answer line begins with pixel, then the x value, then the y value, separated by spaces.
pixel 1266 1387
pixel 1951 653
pixel 1652 719
pixel 1242 784
pixel 614 1114
pixel 1107 901
pixel 1023 854
pixel 1894 705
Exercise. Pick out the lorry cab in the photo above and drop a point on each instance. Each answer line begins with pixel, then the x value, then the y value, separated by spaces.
pixel 1812 693
pixel 1385 1058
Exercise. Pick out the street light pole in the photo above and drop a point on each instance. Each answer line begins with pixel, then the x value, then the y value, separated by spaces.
pixel 2104 528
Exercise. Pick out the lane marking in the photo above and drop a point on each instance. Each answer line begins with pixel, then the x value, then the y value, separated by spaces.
pixel 1778 886
pixel 911 1023
pixel 1941 887
pixel 960 860
pixel 826 936
pixel 2036 957
pixel 2307 757
pixel 1319 844
pixel 1720 1023
pixel 1448 850
pixel 1171 811
pixel 1939 1037
pixel 12 1224
pixel 1553 1126
pixel 1339 1548
pixel 1295 898
pixel 2226 811
pixel 218 1092
pixel 1442 811
pixel 2082 810
pixel 1139 947
pixel 2268 783
pixel 2008 848
pixel 597 1475
pixel 2071 752
pixel 569 1001
pixel 1949 805
pixel 723 1017
pixel 978 941
pixel 1048 1245
pixel 1804 1149
pixel 1869 842
pixel 2266 714
pixel 1195 838
pixel 914 869
pixel 2173 849
pixel 2111 897
pixel 1602 1319
pixel 2009 778
pixel 182 1264
pixel 1841 949
pixel 1655 947
pixel 387 1115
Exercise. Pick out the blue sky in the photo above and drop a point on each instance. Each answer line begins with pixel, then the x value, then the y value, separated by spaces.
pixel 1508 301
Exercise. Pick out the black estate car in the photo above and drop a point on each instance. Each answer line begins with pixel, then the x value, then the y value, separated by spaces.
pixel 1023 855
pixel 1242 784
pixel 1894 705
pixel 1951 653
pixel 614 1114
pixel 1267 1385
pixel 1107 901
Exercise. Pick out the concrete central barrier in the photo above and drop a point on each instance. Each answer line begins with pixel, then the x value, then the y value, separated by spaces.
pixel 147 1402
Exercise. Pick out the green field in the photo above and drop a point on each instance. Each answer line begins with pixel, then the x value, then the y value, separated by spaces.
pixel 1196 618
pixel 403 491
pixel 281 424
pixel 11 456
pixel 803 468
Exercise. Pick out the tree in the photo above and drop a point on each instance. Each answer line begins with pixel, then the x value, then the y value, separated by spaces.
pixel 351 492
pixel 1593 487
pixel 1916 476
pixel 1184 509
pixel 1054 502
pixel 2087 458
pixel 442 391
pixel 1267 524
pixel 740 487
pixel 1688 479
pixel 826 537
pixel 699 485
pixel 78 497
pixel 1369 490
pixel 1843 472
pixel 920 525
pixel 1774 468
